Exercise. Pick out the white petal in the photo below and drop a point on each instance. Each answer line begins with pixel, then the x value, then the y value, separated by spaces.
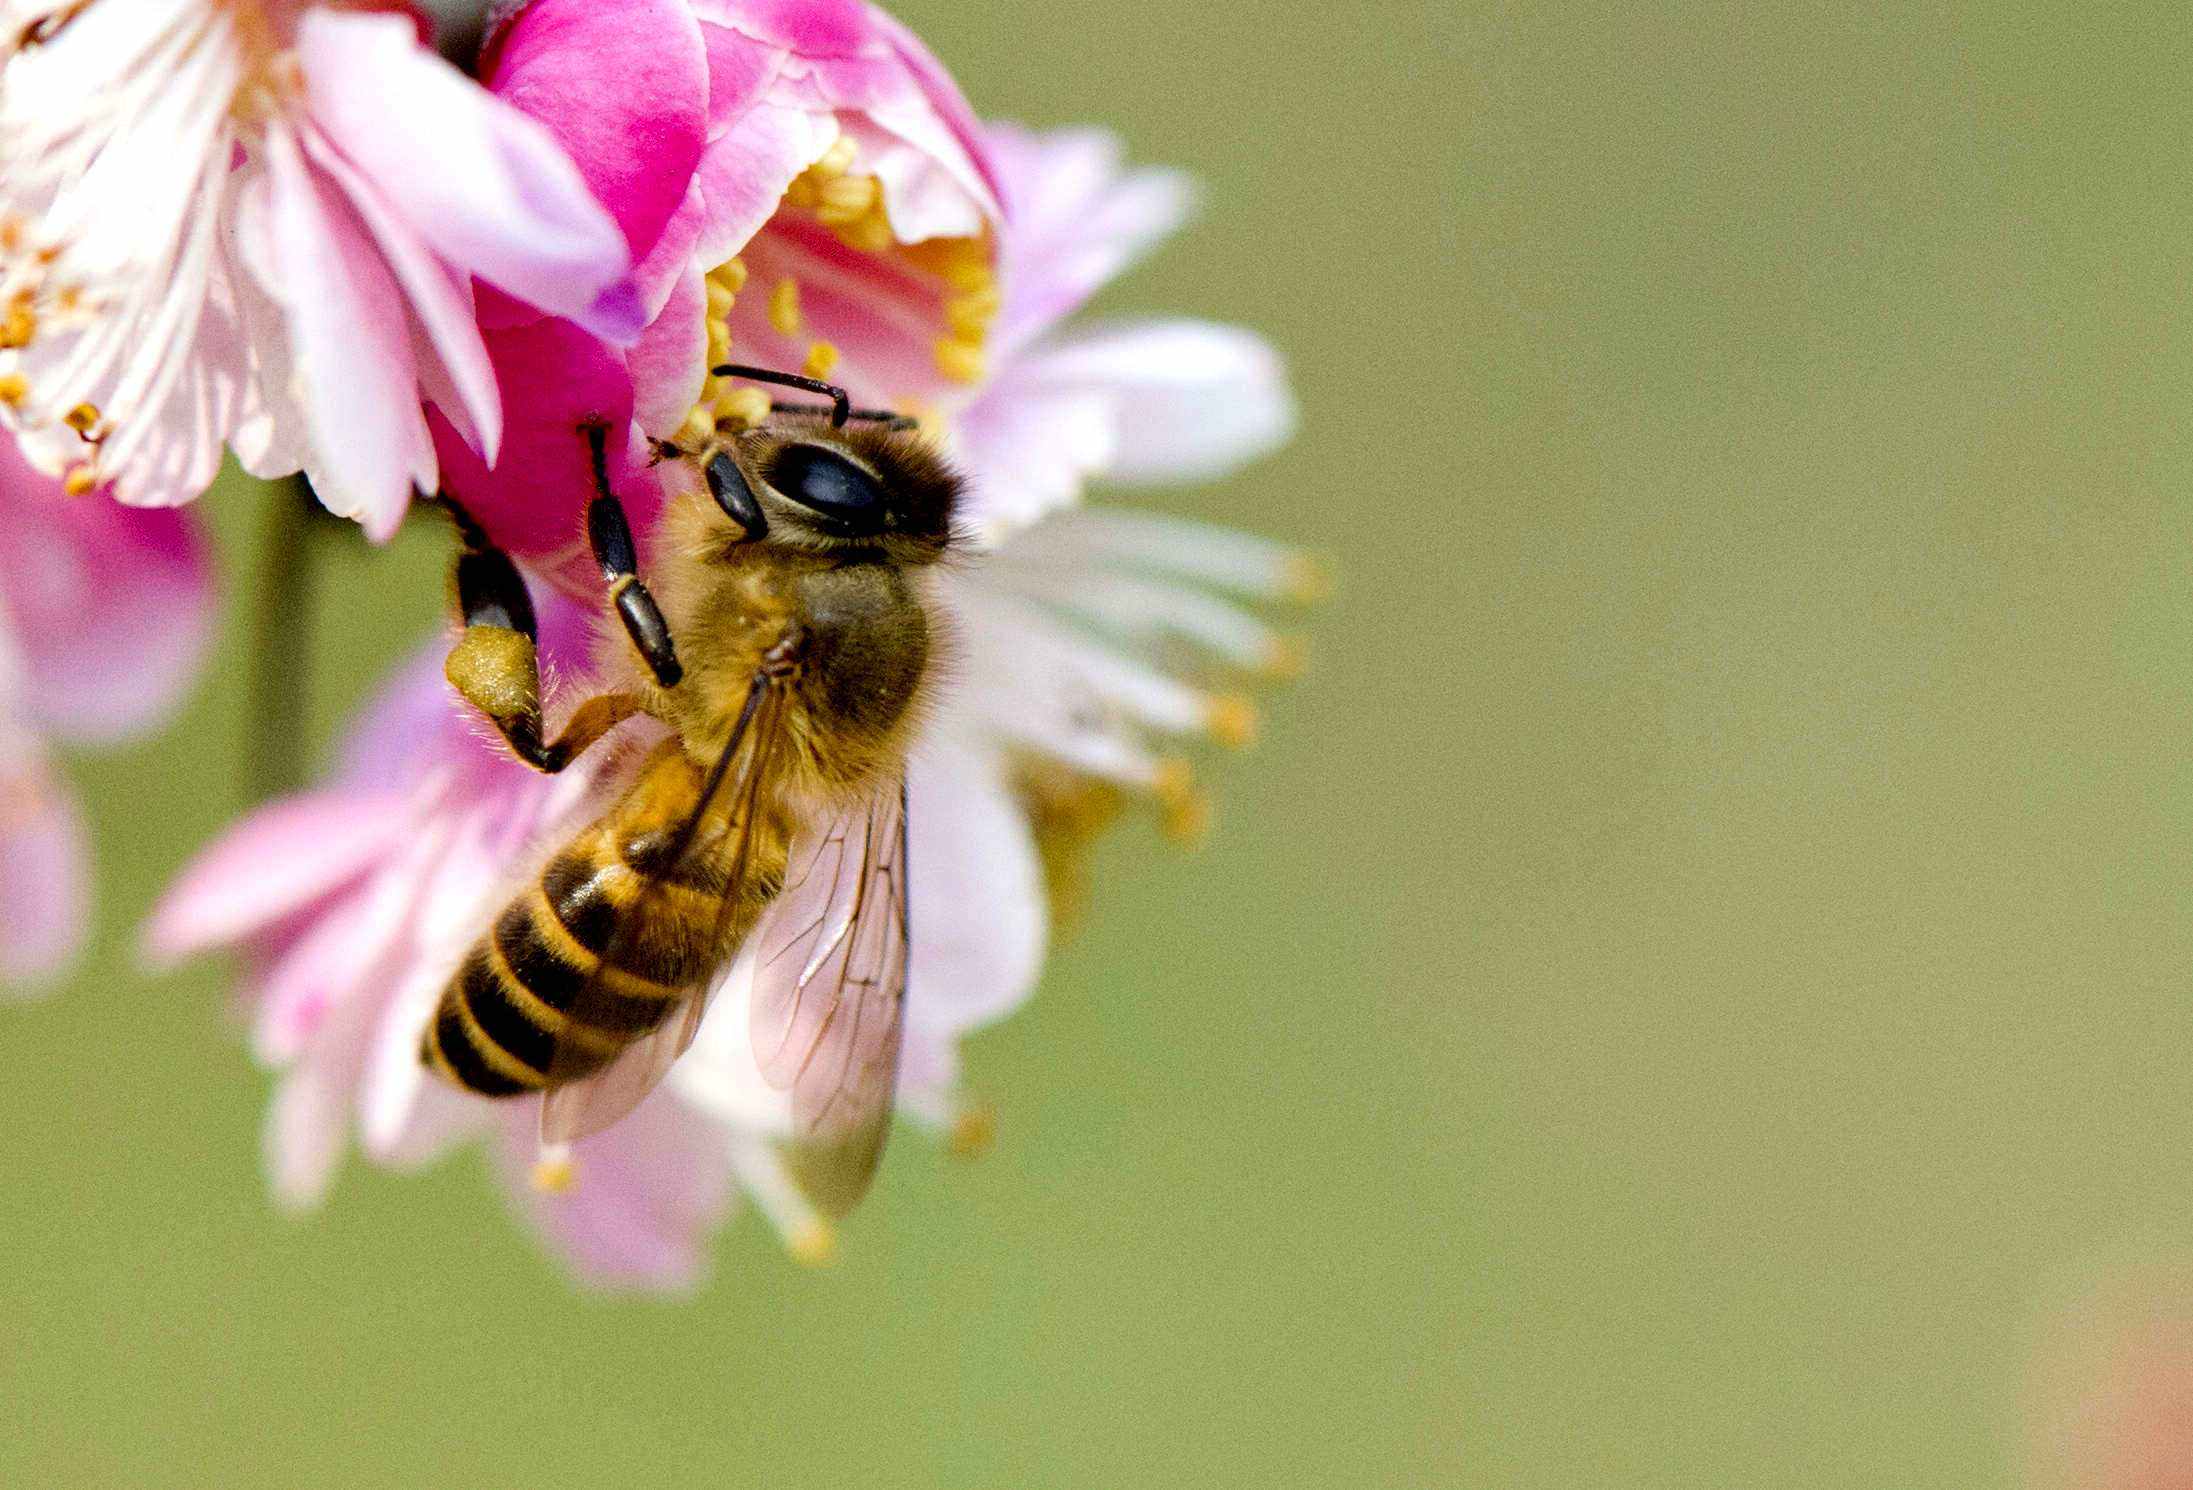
pixel 1193 399
pixel 978 907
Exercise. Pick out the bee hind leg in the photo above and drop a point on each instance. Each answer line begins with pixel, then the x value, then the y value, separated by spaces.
pixel 495 664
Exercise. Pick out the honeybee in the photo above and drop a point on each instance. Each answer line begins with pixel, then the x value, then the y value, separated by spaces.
pixel 793 642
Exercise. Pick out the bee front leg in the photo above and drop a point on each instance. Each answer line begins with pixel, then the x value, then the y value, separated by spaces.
pixel 610 533
pixel 495 664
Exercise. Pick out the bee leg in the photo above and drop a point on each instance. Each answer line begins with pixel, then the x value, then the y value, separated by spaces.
pixel 495 664
pixel 610 533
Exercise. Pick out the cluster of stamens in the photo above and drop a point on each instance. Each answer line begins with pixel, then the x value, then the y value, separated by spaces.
pixel 34 299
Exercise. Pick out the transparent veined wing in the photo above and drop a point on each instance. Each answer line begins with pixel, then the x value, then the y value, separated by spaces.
pixel 584 1096
pixel 829 993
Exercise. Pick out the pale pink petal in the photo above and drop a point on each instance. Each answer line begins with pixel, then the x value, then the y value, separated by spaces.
pixel 1079 220
pixel 978 905
pixel 943 124
pixel 645 1197
pixel 352 344
pixel 438 298
pixel 1193 400
pixel 112 606
pixel 45 889
pixel 1028 448
pixel 486 186
pixel 307 1126
pixel 277 862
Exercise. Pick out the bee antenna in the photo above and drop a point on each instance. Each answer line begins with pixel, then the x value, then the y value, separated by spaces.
pixel 841 407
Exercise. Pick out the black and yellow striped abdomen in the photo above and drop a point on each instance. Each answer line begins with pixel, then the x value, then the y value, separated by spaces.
pixel 505 1021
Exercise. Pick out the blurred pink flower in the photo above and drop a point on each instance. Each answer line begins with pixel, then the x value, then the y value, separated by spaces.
pixel 1088 639
pixel 105 613
pixel 2113 1388
pixel 259 221
pixel 802 186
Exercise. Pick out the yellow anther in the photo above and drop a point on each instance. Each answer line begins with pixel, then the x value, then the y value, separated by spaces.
pixel 974 1131
pixel 721 297
pixel 731 274
pixel 14 388
pixel 1231 719
pixel 803 192
pixel 836 160
pixel 79 480
pixel 1306 580
pixel 84 418
pixel 813 1244
pixel 744 406
pixel 847 198
pixel 821 358
pixel 719 341
pixel 870 233
pixel 18 326
pixel 960 360
pixel 553 1174
pixel 784 307
pixel 1284 658
pixel 697 430
pixel 970 316
pixel 1184 813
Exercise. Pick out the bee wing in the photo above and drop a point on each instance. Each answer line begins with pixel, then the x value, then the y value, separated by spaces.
pixel 827 1017
pixel 583 1098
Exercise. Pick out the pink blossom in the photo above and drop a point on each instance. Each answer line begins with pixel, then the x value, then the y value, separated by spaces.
pixel 260 222
pixel 801 186
pixel 1087 635
pixel 2113 1388
pixel 104 618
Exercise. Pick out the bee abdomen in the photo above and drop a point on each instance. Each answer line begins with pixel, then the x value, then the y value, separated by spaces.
pixel 505 1019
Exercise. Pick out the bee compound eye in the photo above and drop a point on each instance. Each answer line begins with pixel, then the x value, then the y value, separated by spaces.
pixel 827 483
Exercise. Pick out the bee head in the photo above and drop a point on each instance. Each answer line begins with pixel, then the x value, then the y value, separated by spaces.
pixel 827 489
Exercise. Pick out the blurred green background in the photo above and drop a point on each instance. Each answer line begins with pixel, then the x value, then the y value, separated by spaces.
pixel 1692 982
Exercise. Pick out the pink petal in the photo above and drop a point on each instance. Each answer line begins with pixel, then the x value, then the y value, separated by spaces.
pixel 44 878
pixel 1029 447
pixel 1078 222
pixel 745 170
pixel 1193 400
pixel 111 605
pixel 555 378
pixel 670 360
pixel 646 1196
pixel 276 863
pixel 978 907
pixel 352 345
pixel 439 301
pixel 487 187
pixel 622 86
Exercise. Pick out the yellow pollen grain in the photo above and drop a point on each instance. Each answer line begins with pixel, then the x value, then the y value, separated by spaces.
pixel 79 480
pixel 1306 579
pixel 960 360
pixel 821 358
pixel 784 307
pixel 554 1176
pixel 84 418
pixel 14 388
pixel 731 274
pixel 744 406
pixel 813 1244
pixel 974 1131
pixel 1231 719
